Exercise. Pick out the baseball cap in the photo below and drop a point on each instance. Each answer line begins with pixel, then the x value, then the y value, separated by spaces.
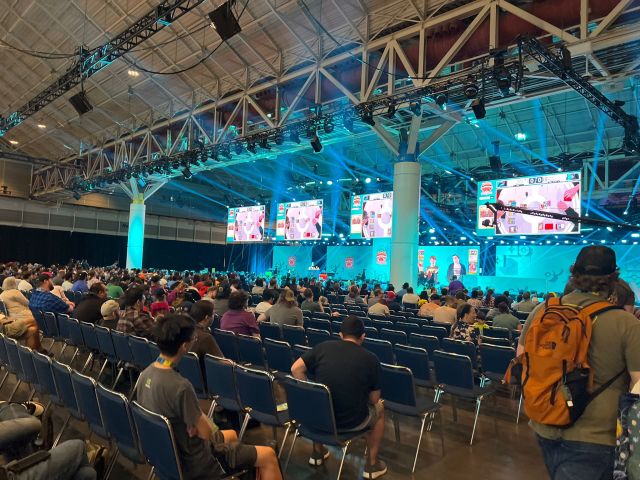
pixel 352 326
pixel 43 276
pixel 595 260
pixel 109 307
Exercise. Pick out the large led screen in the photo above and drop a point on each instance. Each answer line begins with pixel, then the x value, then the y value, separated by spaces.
pixel 554 193
pixel 245 224
pixel 371 215
pixel 299 220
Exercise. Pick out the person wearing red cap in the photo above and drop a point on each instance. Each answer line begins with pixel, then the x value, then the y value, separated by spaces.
pixel 586 448
pixel 43 299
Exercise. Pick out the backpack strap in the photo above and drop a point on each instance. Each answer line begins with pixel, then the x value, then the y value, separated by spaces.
pixel 605 385
pixel 597 308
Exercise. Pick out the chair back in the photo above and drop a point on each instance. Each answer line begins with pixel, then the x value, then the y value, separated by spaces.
pixel 3 309
pixel 75 332
pixel 189 368
pixel 497 332
pixel 105 342
pixel 116 415
pixel 84 388
pixel 62 376
pixel 293 335
pixel 396 385
pixel 322 315
pixel 299 350
pixel 270 330
pixel 89 336
pixel 310 405
pixel 279 357
pixel 42 325
pixel 141 352
pixel 4 356
pixel 496 359
pixel 408 328
pixel 122 347
pixel 44 369
pixel 63 326
pixel 221 381
pixel 154 350
pixel 256 393
pixel 228 343
pixel 438 332
pixel 319 324
pixel 396 318
pixel 503 342
pixel 453 370
pixel 14 358
pixel 380 348
pixel 461 348
pixel 316 337
pixel 371 332
pixel 28 368
pixel 446 326
pixel 394 336
pixel 250 349
pixel 52 324
pixel 380 324
pixel 428 342
pixel 157 442
pixel 415 359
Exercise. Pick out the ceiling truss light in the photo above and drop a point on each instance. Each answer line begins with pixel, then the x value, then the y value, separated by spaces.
pixel 328 126
pixel 442 99
pixel 186 173
pixel 251 147
pixel 133 73
pixel 294 136
pixel 42 126
pixel 264 143
pixel 13 142
pixel 478 108
pixel 470 89
pixel 367 117
pixel 521 137
pixel 391 110
pixel 315 143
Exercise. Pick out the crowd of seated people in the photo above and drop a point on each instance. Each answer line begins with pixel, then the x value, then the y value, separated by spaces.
pixel 148 303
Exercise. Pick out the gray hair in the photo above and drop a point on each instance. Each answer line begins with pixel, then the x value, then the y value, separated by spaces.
pixel 10 283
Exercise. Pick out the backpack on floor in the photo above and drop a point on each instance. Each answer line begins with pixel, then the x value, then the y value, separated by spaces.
pixel 556 379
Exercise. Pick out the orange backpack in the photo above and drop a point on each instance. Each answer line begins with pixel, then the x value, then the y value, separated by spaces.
pixel 556 380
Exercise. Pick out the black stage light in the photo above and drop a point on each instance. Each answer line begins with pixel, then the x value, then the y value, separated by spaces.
pixel 294 136
pixel 186 173
pixel 478 108
pixel 264 143
pixel 315 143
pixel 76 195
pixel 224 21
pixel 278 138
pixel 328 126
pixel 391 110
pixel 470 89
pixel 81 103
pixel 503 81
pixel 367 117
pixel 239 148
pixel 251 147
pixel 442 99
pixel 416 109
pixel 495 163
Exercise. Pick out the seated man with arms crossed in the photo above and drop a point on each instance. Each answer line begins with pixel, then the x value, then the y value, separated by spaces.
pixel 163 390
pixel 352 375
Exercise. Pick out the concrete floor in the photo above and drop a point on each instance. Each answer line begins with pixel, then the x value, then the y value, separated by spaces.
pixel 501 450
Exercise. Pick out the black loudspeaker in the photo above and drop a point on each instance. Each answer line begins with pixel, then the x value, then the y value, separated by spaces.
pixel 495 162
pixel 224 21
pixel 478 108
pixel 81 103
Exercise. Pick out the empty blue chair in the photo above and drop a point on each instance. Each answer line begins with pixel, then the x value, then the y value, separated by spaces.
pixel 84 388
pixel 76 338
pixel 316 337
pixel 270 330
pixel 90 343
pixel 124 355
pixel 228 343
pixel 417 360
pixel 446 326
pixel 189 368
pixel 157 442
pixel 396 318
pixel 393 336
pixel 428 342
pixel 439 332
pixel 43 365
pixel 497 332
pixel 62 376
pixel 293 335
pixel 322 315
pixel 107 349
pixel 257 396
pixel 380 348
pixel 495 360
pixel 336 326
pixel 279 358
pixel 28 368
pixel 299 350
pixel 118 422
pixel 154 350
pixel 503 342
pixel 380 324
pixel 42 325
pixel 250 349
pixel 65 333
pixel 141 352
pixel 455 376
pixel 318 324
pixel 461 348
pixel 15 364
pixel 221 383
pixel 311 407
pixel 371 332
pixel 399 394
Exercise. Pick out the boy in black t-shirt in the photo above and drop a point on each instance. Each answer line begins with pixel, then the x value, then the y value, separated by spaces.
pixel 352 375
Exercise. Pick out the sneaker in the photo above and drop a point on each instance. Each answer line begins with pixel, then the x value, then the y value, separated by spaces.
pixel 318 458
pixel 34 408
pixel 375 471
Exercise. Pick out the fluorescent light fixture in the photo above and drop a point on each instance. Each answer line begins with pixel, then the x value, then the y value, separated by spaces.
pixel 13 142
pixel 42 126
pixel 521 136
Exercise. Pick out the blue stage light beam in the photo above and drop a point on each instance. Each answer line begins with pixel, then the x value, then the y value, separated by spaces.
pixel 596 158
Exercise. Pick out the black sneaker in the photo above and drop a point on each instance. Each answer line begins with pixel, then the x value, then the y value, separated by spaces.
pixel 33 408
pixel 318 458
pixel 375 471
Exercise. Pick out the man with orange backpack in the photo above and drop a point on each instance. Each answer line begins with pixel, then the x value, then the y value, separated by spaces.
pixel 578 354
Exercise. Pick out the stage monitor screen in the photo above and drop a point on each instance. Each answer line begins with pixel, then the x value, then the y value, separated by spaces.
pixel 371 215
pixel 245 224
pixel 299 220
pixel 554 193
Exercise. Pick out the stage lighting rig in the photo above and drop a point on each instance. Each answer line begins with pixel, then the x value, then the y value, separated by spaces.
pixel 470 88
pixel 294 136
pixel 315 143
pixel 442 99
pixel 278 138
pixel 251 147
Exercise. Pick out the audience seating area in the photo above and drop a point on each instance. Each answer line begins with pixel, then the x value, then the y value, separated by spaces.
pixel 415 352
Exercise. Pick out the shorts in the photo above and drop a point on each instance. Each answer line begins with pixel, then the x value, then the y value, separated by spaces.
pixel 233 455
pixel 375 412
pixel 15 329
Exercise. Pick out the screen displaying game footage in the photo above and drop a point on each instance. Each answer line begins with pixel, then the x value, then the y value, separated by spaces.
pixel 299 220
pixel 554 193
pixel 245 224
pixel 371 215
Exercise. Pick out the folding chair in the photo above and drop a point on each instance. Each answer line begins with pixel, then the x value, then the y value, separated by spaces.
pixel 189 368
pixel 228 343
pixel 13 356
pixel 380 348
pixel 428 342
pixel 462 348
pixel 299 350
pixel 393 336
pixel 293 335
pixel 250 349
pixel 141 352
pixel 270 330
pixel 221 384
pixel 62 376
pixel 417 360
pixel 316 337
pixel 279 357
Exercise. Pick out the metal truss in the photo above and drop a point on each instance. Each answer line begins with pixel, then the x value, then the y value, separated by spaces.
pixel 92 61
pixel 239 113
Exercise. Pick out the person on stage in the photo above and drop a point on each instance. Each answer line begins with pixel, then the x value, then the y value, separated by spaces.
pixel 456 269
pixel 432 271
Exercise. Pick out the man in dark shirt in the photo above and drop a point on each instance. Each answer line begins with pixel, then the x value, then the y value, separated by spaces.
pixel 455 286
pixel 352 375
pixel 163 390
pixel 88 310
pixel 204 342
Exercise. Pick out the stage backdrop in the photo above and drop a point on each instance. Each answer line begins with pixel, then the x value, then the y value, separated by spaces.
pixel 546 268
pixel 293 260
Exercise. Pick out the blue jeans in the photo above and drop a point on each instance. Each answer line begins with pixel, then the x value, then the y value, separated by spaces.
pixel 68 461
pixel 567 460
